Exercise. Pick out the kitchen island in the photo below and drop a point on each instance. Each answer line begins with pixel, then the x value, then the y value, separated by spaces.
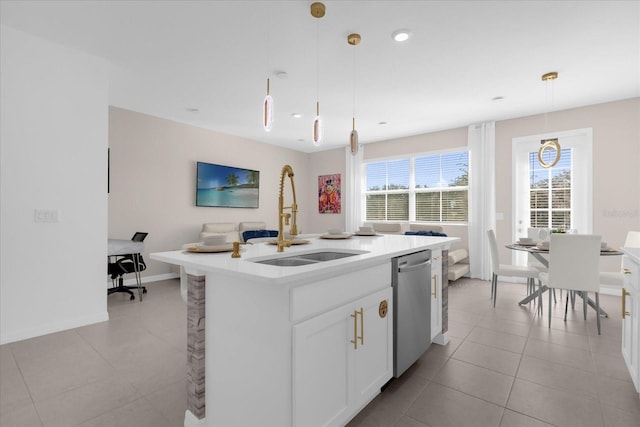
pixel 303 345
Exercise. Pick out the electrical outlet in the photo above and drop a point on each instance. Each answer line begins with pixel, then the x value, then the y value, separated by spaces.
pixel 47 215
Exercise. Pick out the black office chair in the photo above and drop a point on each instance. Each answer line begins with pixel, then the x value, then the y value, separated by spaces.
pixel 125 264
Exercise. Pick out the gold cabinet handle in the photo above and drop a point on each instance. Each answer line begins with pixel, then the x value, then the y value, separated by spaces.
pixel 435 286
pixel 624 303
pixel 626 271
pixel 361 326
pixel 354 341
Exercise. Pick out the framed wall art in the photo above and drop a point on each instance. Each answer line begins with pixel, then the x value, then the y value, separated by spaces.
pixel 226 186
pixel 329 200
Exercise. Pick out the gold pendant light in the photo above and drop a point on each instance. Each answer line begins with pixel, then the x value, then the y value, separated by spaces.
pixel 550 145
pixel 267 114
pixel 354 40
pixel 317 11
pixel 267 104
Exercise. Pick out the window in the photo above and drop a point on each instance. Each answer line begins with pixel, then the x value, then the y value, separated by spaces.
pixel 429 188
pixel 387 190
pixel 550 192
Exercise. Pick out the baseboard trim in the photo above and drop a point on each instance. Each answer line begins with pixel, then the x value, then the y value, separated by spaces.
pixel 49 328
pixel 148 279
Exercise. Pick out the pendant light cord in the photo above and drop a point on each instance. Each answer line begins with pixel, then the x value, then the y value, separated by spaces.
pixel 354 85
pixel 318 61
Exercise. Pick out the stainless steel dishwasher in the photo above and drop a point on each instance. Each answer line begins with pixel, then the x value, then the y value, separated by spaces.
pixel 411 276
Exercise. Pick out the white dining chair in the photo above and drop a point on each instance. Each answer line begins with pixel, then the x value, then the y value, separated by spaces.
pixel 574 265
pixel 508 270
pixel 540 235
pixel 616 278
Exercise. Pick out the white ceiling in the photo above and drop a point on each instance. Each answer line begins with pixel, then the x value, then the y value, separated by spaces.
pixel 170 56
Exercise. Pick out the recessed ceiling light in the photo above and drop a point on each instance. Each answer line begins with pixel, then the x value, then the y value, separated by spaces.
pixel 382 123
pixel 401 35
pixel 497 98
pixel 300 139
pixel 296 115
pixel 282 75
pixel 192 110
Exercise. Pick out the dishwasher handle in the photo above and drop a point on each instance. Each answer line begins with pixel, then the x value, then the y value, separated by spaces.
pixel 404 268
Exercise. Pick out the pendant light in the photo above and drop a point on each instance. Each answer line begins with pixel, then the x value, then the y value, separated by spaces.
pixel 549 144
pixel 267 105
pixel 267 114
pixel 354 40
pixel 317 11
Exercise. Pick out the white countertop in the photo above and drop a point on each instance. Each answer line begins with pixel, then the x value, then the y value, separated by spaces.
pixel 378 248
pixel 634 253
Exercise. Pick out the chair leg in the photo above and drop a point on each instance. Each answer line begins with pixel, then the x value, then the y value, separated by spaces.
pixel 585 297
pixel 493 284
pixel 566 306
pixel 540 297
pixel 573 299
pixel 554 297
pixel 549 309
pixel 598 310
pixel 495 289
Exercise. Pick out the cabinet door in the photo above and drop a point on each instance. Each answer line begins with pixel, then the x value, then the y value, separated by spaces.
pixel 436 293
pixel 631 321
pixel 373 364
pixel 322 377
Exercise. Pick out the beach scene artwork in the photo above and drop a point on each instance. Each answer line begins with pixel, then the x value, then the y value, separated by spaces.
pixel 227 186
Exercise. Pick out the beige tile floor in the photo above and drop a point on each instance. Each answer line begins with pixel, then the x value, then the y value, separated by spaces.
pixel 503 367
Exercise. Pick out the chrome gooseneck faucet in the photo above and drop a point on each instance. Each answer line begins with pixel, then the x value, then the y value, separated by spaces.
pixel 284 218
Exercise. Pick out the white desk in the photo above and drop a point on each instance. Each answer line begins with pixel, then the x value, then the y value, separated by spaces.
pixel 121 247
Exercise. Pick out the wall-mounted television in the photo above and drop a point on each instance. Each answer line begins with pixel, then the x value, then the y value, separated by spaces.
pixel 227 186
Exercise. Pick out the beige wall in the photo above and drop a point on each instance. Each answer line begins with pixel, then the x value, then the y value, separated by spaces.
pixel 616 170
pixel 153 178
pixel 325 163
pixel 153 174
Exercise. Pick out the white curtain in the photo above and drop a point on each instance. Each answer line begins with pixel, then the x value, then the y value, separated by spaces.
pixel 352 203
pixel 482 197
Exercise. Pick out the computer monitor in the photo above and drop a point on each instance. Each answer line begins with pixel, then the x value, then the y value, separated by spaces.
pixel 139 236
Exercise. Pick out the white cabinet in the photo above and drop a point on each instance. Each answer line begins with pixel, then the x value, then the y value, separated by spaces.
pixel 436 293
pixel 631 318
pixel 341 359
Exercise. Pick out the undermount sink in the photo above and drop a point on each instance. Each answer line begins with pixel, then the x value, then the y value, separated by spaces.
pixel 287 262
pixel 307 258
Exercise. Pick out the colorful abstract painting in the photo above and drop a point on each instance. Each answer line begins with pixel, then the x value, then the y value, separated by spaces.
pixel 329 193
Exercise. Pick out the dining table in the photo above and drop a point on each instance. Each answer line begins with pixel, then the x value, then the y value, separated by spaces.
pixel 539 253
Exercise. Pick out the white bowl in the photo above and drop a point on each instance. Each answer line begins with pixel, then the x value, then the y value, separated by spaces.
pixel 214 240
pixel 335 231
pixel 526 240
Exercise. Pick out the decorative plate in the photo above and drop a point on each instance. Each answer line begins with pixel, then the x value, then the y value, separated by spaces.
pixel 227 247
pixel 293 242
pixel 336 236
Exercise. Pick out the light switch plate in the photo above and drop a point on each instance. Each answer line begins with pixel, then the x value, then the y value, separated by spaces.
pixel 46 215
